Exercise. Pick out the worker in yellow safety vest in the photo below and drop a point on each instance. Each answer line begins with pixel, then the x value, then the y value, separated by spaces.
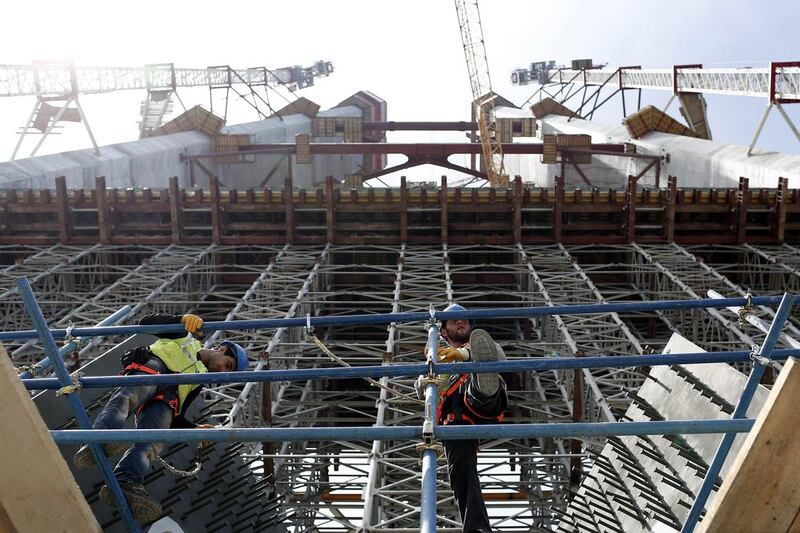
pixel 157 407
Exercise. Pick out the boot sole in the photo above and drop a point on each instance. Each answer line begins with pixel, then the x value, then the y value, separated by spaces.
pixel 143 508
pixel 84 459
pixel 484 349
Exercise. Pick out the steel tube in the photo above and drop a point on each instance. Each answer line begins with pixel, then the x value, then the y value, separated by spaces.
pixel 564 430
pixel 512 312
pixel 427 513
pixel 71 346
pixel 74 400
pixel 537 364
pixel 739 413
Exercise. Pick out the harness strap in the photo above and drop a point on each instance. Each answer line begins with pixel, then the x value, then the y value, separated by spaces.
pixel 140 367
pixel 159 396
pixel 449 392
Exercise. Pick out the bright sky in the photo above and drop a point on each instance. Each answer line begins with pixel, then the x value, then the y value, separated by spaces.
pixel 408 52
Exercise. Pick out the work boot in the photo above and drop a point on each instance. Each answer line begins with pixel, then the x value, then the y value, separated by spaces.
pixel 483 349
pixel 144 508
pixel 84 458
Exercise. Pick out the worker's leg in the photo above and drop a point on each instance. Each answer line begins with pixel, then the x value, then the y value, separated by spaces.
pixel 124 401
pixel 462 468
pixel 133 466
pixel 136 461
pixel 486 393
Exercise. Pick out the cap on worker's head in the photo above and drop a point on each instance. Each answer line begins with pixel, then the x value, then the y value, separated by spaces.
pixel 457 307
pixel 238 353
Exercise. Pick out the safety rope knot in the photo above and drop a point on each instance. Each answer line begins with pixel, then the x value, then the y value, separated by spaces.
pixel 747 309
pixel 69 389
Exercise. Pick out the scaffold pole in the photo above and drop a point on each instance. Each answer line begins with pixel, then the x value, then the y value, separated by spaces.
pixel 81 416
pixel 759 365
pixel 405 370
pixel 385 318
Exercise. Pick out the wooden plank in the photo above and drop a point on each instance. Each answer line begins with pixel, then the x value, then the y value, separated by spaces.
pixel 742 198
pixel 43 495
pixel 631 206
pixel 62 210
pixel 174 210
pixel 780 209
pixel 672 199
pixel 517 223
pixel 330 214
pixel 761 489
pixel 403 210
pixel 216 215
pixel 444 220
pixel 103 220
pixel 289 208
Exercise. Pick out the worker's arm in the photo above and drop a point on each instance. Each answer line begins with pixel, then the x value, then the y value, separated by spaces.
pixel 191 323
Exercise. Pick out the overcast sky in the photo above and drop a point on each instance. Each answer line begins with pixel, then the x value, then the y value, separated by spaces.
pixel 407 52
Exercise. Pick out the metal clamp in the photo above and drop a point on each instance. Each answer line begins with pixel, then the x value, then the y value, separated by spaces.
pixel 31 369
pixel 309 327
pixel 761 360
pixel 69 338
pixel 69 389
pixel 433 445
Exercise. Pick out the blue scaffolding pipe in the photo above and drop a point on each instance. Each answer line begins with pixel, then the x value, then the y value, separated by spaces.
pixel 739 413
pixel 383 433
pixel 386 318
pixel 81 416
pixel 535 364
pixel 73 345
pixel 427 514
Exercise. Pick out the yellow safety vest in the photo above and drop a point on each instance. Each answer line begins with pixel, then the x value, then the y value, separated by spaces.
pixel 180 356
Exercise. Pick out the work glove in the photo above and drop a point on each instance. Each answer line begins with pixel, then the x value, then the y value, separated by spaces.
pixel 453 355
pixel 192 323
pixel 204 443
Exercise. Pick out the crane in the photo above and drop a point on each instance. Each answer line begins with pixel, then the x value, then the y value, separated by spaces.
pixel 469 22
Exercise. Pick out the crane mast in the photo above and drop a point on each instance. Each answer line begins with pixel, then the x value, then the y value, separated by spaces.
pixel 469 22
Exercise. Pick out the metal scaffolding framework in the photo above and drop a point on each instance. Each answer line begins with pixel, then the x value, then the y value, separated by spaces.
pixel 373 485
pixel 333 468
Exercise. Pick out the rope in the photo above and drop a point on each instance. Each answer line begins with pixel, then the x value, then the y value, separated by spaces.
pixel 371 381
pixel 182 473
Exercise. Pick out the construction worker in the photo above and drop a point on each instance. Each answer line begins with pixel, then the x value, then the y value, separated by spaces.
pixel 468 399
pixel 156 407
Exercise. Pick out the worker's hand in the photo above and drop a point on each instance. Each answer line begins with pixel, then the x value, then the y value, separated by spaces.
pixel 205 443
pixel 452 355
pixel 192 323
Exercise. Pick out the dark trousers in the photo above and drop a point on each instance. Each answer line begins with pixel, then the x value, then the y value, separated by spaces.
pixel 462 461
pixel 156 415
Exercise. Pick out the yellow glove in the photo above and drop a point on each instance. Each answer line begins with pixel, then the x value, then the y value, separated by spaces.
pixel 205 443
pixel 192 323
pixel 451 355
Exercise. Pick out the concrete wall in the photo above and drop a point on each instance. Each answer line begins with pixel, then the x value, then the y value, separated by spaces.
pixel 696 162
pixel 151 162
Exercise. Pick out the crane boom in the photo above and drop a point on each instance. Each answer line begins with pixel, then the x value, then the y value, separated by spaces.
pixel 58 77
pixel 469 22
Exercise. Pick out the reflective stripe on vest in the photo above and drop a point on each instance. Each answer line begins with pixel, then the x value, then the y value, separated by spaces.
pixel 180 356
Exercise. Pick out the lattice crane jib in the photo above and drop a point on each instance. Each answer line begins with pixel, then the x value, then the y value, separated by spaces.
pixel 469 23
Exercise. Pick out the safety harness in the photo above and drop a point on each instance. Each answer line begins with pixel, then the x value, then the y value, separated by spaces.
pixel 458 408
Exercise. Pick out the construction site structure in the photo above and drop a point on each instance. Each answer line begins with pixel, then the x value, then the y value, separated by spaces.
pixel 608 241
pixel 62 82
